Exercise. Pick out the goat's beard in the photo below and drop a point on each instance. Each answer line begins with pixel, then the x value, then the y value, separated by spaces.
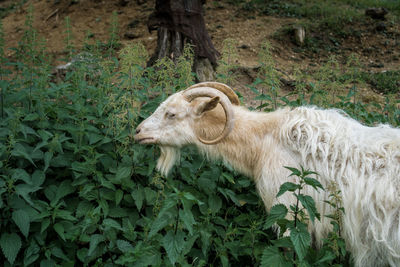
pixel 168 156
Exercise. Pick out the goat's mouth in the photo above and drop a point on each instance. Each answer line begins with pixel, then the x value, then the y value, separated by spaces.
pixel 145 140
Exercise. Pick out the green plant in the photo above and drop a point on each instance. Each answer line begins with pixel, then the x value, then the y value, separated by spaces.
pixel 113 41
pixel 228 62
pixel 69 37
pixel 297 249
pixel 268 77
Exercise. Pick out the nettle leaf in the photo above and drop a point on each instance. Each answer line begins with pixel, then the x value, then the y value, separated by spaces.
pixel 59 228
pixel 119 194
pixel 10 245
pixel 95 240
pixel 166 216
pixel 112 224
pixel 301 240
pixel 294 171
pixel 272 257
pixel 215 203
pixel 47 159
pixel 22 220
pixel 47 263
pixel 94 138
pixel 288 186
pixel 124 246
pixel 45 223
pixel 31 117
pixel 276 213
pixel 20 151
pixel 20 174
pixel 63 190
pixel 173 244
pixel 138 197
pixel 123 172
pixel 56 251
pixel 38 178
pixel 313 182
pixel 309 203
pixel 188 220
pixel 31 253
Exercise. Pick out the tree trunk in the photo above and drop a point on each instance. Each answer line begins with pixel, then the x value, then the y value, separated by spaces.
pixel 179 22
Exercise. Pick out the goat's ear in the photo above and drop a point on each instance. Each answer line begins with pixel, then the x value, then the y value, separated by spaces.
pixel 206 105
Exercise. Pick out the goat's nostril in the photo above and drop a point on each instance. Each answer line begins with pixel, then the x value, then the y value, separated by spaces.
pixel 137 130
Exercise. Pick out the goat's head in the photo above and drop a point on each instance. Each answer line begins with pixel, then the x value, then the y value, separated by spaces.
pixel 172 124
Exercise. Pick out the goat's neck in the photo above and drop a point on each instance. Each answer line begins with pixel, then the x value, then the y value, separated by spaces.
pixel 243 148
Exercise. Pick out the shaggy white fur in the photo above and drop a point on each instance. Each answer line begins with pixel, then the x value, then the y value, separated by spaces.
pixel 364 163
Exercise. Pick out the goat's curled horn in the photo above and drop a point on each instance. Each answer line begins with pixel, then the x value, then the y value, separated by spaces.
pixel 220 87
pixel 194 92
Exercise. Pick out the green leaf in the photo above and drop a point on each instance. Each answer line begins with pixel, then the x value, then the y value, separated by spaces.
pixel 112 224
pixel 10 245
pixel 20 174
pixel 119 194
pixel 124 246
pixel 47 159
pixel 166 216
pixel 313 182
pixel 309 203
pixel 95 240
pixel 94 138
pixel 301 240
pixel 294 171
pixel 173 244
pixel 31 253
pixel 276 213
pixel 59 228
pixel 138 196
pixel 215 203
pixel 188 220
pixel 47 263
pixel 272 257
pixel 44 225
pixel 122 173
pixel 38 178
pixel 288 186
pixel 31 117
pixel 228 177
pixel 20 151
pixel 56 251
pixel 22 220
pixel 64 189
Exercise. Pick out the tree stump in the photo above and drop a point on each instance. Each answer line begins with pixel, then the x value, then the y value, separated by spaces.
pixel 179 22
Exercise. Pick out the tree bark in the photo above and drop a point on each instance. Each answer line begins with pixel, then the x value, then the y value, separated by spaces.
pixel 179 22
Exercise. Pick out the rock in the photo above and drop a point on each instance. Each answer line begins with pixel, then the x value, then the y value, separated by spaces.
pixel 131 35
pixel 299 34
pixel 380 27
pixel 91 63
pixel 376 13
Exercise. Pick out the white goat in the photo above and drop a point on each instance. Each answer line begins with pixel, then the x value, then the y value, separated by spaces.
pixel 364 162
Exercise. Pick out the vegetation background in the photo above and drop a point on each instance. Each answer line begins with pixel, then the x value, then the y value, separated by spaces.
pixel 76 190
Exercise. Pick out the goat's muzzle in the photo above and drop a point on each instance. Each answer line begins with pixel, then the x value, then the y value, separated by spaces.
pixel 142 138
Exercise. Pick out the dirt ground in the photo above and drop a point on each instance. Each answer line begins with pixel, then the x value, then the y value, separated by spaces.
pixel 377 51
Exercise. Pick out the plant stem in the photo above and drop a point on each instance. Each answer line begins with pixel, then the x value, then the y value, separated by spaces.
pixel 296 211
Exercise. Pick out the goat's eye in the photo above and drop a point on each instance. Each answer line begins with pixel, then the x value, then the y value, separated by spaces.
pixel 170 115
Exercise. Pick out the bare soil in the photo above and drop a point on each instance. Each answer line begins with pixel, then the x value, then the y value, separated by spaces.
pixel 378 51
